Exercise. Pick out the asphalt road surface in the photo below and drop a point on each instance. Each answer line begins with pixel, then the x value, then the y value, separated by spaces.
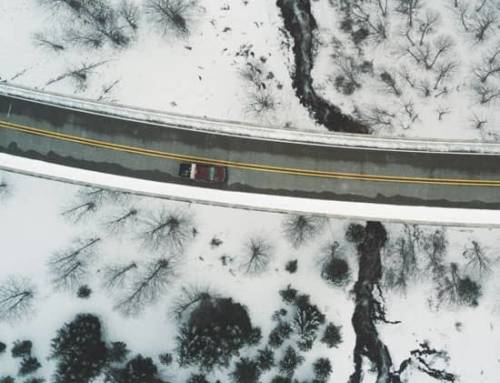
pixel 154 151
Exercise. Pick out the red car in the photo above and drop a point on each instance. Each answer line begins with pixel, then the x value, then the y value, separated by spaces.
pixel 204 172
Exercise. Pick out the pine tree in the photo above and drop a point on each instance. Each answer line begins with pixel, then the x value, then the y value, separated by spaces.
pixel 79 349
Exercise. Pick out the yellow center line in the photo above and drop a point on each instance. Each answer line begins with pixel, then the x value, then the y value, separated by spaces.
pixel 241 165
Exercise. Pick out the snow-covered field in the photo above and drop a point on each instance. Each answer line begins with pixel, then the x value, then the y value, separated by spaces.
pixel 437 77
pixel 213 254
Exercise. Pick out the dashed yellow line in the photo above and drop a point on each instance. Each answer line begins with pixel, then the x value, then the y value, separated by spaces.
pixel 241 165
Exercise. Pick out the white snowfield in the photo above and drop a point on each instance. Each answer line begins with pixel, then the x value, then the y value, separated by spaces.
pixel 253 201
pixel 243 129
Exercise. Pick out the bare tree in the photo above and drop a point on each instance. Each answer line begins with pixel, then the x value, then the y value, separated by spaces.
pixel 478 122
pixel 486 93
pixel 130 13
pixel 16 298
pixel 409 108
pixel 402 259
pixel 408 8
pixel 43 41
pixel 452 289
pixel 428 53
pixel 122 220
pixel 87 201
pixel 376 25
pixel 165 230
pixel 189 298
pixel 483 23
pixel 442 111
pixel 79 75
pixel 378 117
pixel 443 71
pixel 254 72
pixel 69 267
pixel 302 228
pixel 390 82
pixel 479 21
pixel 490 65
pixel 427 25
pixel 172 16
pixel 261 102
pixel 5 188
pixel 116 276
pixel 435 245
pixel 93 22
pixel 477 261
pixel 148 286
pixel 257 254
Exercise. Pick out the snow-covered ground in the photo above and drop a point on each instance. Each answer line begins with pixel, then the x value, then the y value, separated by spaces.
pixel 33 231
pixel 213 70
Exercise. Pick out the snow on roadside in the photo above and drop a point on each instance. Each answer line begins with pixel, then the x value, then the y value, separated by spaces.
pixel 32 229
pixel 252 201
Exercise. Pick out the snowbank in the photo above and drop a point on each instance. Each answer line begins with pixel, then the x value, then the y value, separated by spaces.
pixel 252 201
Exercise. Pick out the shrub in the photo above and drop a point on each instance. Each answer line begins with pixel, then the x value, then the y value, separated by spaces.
pixel 302 228
pixel 306 321
pixel 468 291
pixel 166 359
pixel 84 292
pixel 197 378
pixel 291 266
pixel 138 370
pixel 21 349
pixel 35 380
pixel 290 361
pixel 215 331
pixel 257 255
pixel 355 233
pixel 7 379
pixel 265 359
pixel 279 334
pixel 245 371
pixel 79 349
pixel 322 370
pixel 3 347
pixel 332 336
pixel 29 364
pixel 118 352
pixel 281 379
pixel 335 269
pixel 289 294
pixel 172 16
pixel 360 35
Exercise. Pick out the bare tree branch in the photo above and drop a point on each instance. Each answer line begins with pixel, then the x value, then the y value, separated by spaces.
pixel 115 276
pixel 173 16
pixel 165 230
pixel 148 286
pixel 69 267
pixel 257 255
pixel 477 261
pixel 302 228
pixel 16 298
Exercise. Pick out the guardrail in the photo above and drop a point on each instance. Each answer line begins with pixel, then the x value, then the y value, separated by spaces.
pixel 242 129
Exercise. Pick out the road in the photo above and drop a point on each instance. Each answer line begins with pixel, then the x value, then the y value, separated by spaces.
pixel 153 151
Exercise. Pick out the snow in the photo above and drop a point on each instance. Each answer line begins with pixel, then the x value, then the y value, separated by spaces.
pixel 253 201
pixel 201 73
pixel 246 130
pixel 33 229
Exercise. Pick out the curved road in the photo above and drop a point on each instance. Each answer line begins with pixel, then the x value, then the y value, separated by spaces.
pixel 74 137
